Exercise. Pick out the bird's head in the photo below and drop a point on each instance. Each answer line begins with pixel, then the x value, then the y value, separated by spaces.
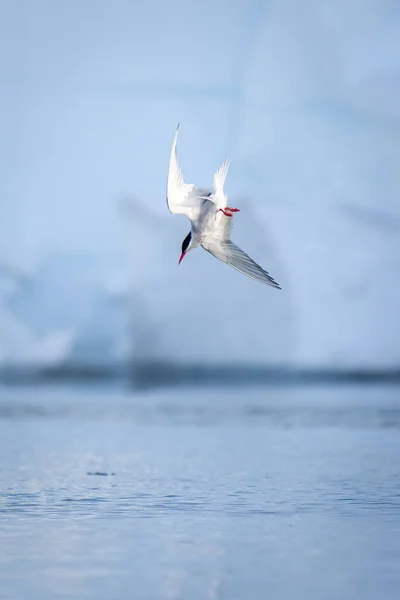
pixel 186 246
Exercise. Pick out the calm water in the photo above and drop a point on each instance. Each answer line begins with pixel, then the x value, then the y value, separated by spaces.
pixel 281 494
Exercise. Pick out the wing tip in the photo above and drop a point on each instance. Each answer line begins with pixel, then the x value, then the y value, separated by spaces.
pixel 273 283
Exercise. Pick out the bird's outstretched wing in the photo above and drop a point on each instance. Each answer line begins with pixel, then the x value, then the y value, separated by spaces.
pixel 182 198
pixel 234 256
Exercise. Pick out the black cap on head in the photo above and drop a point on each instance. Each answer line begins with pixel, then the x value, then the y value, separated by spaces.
pixel 186 242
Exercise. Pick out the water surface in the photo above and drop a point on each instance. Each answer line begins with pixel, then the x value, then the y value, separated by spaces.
pixel 269 493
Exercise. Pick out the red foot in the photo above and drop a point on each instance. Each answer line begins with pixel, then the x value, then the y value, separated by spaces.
pixel 228 211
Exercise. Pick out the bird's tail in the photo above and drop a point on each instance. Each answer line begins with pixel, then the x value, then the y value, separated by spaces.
pixel 220 176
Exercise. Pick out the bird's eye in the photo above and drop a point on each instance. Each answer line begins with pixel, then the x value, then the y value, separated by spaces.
pixel 186 242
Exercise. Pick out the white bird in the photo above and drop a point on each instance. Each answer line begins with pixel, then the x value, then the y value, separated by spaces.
pixel 211 219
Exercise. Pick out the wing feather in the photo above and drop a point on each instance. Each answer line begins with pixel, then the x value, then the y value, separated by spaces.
pixel 182 198
pixel 236 258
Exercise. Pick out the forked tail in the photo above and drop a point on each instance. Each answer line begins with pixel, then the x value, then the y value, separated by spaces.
pixel 220 176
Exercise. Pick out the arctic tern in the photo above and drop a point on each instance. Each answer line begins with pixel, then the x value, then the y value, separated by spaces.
pixel 210 218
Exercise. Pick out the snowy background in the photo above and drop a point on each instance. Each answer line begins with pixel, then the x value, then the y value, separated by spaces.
pixel 305 98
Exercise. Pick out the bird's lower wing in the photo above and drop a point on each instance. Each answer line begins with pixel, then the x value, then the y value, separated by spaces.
pixel 234 256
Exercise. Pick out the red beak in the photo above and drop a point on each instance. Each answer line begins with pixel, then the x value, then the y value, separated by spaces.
pixel 181 257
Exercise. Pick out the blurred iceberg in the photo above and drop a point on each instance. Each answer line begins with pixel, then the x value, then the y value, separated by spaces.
pixel 19 344
pixel 305 97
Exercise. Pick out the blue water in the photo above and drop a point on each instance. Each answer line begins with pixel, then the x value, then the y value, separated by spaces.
pixel 281 494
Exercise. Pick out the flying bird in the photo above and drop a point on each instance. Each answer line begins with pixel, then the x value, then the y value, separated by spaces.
pixel 210 218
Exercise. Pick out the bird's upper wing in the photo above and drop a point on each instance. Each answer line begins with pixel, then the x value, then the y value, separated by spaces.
pixel 182 198
pixel 234 256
